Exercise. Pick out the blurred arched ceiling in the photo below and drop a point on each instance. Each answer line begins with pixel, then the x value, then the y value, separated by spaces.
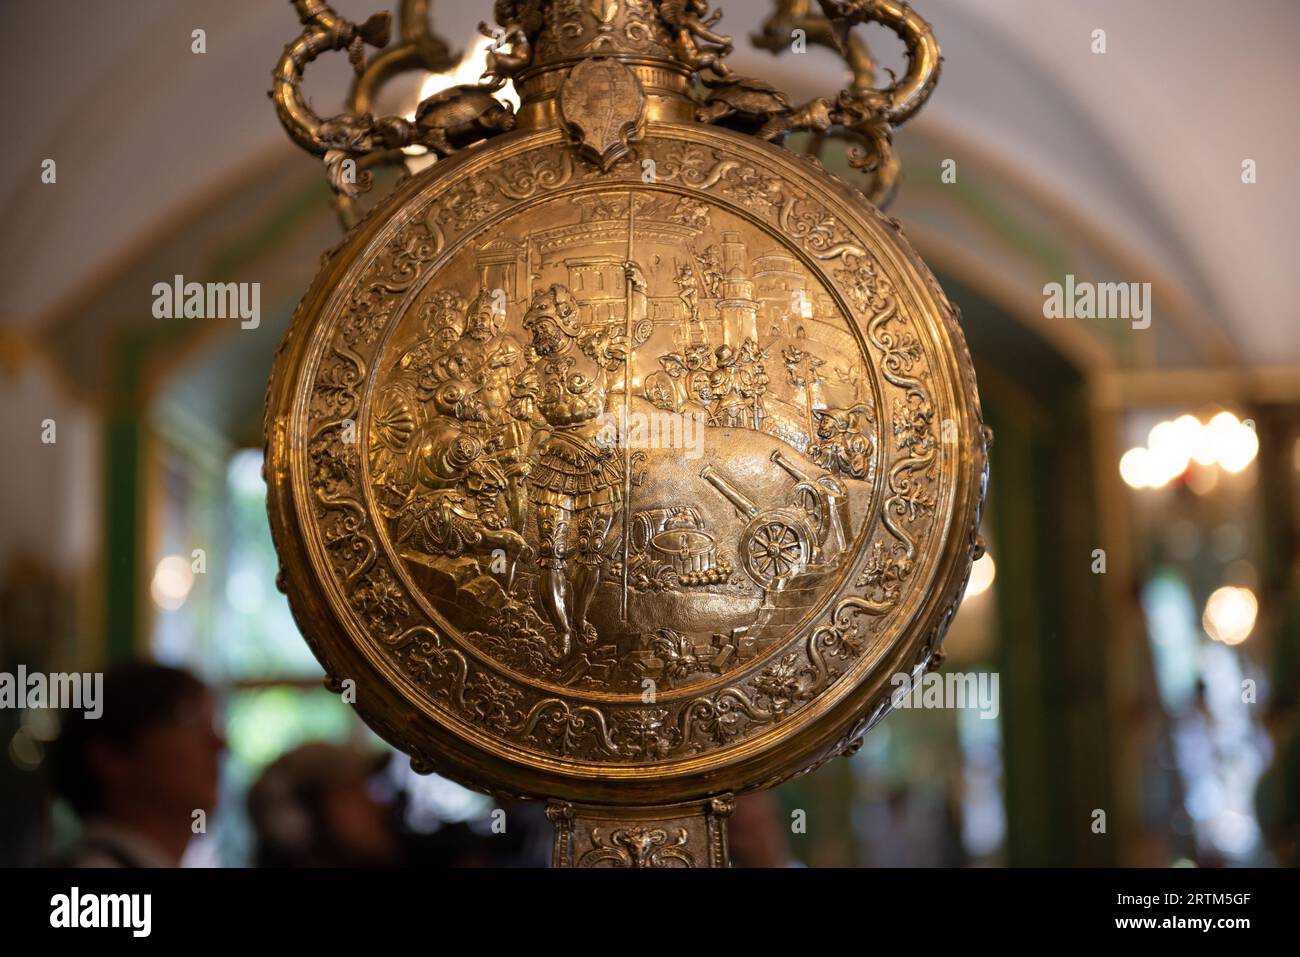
pixel 1145 142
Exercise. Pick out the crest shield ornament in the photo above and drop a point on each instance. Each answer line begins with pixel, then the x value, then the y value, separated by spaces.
pixel 625 495
pixel 603 105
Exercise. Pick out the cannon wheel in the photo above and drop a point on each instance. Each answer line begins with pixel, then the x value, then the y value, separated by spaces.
pixel 811 498
pixel 775 546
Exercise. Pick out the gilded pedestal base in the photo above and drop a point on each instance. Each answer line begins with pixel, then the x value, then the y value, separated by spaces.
pixel 693 834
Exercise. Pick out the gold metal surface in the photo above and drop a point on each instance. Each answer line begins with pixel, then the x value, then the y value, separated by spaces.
pixel 692 834
pixel 624 458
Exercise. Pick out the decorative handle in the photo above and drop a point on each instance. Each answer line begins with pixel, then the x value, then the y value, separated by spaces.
pixel 324 31
pixel 899 101
pixel 420 49
pixel 352 141
pixel 870 116
pixel 861 114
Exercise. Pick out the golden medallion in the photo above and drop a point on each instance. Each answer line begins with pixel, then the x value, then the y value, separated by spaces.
pixel 623 458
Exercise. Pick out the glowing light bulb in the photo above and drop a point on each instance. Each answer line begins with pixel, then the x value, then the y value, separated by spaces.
pixel 1239 447
pixel 1135 467
pixel 1170 450
pixel 1230 614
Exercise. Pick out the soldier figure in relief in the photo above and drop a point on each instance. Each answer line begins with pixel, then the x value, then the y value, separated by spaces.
pixel 443 322
pixel 726 383
pixel 456 506
pixel 491 360
pixel 576 483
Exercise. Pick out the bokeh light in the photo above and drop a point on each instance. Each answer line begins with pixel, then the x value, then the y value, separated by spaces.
pixel 172 581
pixel 981 576
pixel 1230 614
pixel 1176 445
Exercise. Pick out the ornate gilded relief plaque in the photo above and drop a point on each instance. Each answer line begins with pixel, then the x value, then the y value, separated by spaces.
pixel 621 460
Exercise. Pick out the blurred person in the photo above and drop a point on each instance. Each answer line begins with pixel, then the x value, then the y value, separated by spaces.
pixel 137 775
pixel 314 807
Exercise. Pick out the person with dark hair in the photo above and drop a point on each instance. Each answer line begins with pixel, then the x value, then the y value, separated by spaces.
pixel 137 775
pixel 313 807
